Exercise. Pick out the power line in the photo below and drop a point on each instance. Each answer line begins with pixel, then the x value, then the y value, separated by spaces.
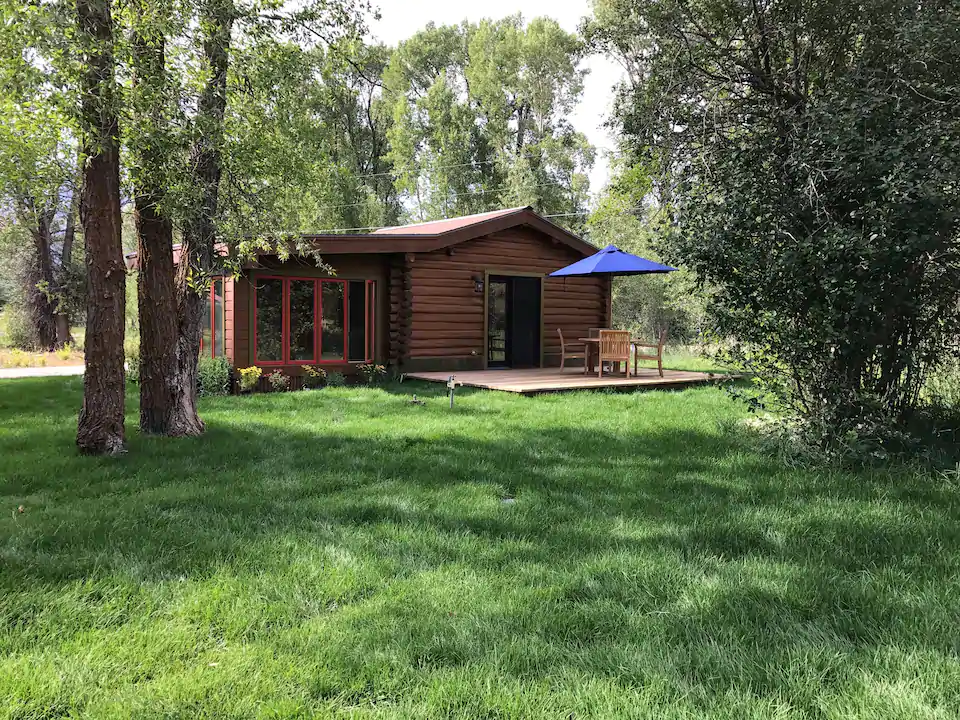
pixel 334 231
pixel 477 162
pixel 456 194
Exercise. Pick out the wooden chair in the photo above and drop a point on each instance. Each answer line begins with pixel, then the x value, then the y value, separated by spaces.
pixel 614 347
pixel 658 357
pixel 579 352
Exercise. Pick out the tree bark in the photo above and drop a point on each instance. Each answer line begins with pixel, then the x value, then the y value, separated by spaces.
pixel 156 291
pixel 198 253
pixel 100 427
pixel 64 335
pixel 41 285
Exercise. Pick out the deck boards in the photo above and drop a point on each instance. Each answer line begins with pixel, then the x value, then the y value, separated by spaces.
pixel 538 380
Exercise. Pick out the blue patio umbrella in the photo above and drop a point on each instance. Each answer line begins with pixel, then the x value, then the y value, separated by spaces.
pixel 612 261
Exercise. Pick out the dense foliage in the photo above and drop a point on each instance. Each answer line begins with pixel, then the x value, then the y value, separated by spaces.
pixel 480 119
pixel 646 304
pixel 39 174
pixel 808 156
pixel 214 376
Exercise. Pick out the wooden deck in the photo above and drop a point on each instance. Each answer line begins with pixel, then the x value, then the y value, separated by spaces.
pixel 541 380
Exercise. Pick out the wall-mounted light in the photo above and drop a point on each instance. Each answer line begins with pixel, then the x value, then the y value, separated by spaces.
pixel 477 283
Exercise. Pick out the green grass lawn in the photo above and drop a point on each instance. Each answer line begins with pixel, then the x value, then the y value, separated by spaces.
pixel 345 553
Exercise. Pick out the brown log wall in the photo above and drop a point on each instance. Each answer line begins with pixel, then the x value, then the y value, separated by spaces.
pixel 447 314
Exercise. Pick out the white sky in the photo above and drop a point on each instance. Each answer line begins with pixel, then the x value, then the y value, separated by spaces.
pixel 402 18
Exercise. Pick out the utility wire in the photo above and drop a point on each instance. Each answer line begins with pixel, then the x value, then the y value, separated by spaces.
pixel 466 192
pixel 334 231
pixel 510 158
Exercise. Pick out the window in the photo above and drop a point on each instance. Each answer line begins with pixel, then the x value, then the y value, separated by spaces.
pixel 306 320
pixel 332 307
pixel 302 306
pixel 269 320
pixel 219 325
pixel 357 322
pixel 213 328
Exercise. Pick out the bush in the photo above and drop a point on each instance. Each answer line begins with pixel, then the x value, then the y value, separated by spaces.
pixel 371 373
pixel 213 376
pixel 824 220
pixel 278 381
pixel 336 379
pixel 65 352
pixel 314 377
pixel 131 365
pixel 19 332
pixel 249 377
pixel 943 386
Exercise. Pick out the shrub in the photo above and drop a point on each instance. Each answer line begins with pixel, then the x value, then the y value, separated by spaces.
pixel 249 377
pixel 131 366
pixel 278 381
pixel 213 376
pixel 18 358
pixel 371 373
pixel 314 377
pixel 336 379
pixel 19 332
pixel 943 385
pixel 823 220
pixel 65 352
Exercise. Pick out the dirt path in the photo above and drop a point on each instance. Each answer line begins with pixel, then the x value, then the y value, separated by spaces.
pixel 50 371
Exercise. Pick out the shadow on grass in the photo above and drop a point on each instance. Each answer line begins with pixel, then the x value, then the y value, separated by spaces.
pixel 736 565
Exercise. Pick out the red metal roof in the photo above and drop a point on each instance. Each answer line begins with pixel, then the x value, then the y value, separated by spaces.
pixel 433 235
pixel 437 227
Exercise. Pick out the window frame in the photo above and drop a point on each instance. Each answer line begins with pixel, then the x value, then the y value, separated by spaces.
pixel 212 308
pixel 369 317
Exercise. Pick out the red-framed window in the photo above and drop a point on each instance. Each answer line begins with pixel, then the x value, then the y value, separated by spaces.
pixel 213 333
pixel 308 321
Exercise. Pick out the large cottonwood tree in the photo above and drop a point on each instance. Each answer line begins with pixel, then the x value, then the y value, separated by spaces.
pixel 153 146
pixel 100 427
pixel 481 118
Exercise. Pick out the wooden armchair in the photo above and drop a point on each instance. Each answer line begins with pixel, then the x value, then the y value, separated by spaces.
pixel 614 347
pixel 650 356
pixel 572 351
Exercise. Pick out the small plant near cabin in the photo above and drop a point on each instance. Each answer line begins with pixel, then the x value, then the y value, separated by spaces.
pixel 213 376
pixel 314 377
pixel 249 377
pixel 336 379
pixel 372 373
pixel 278 381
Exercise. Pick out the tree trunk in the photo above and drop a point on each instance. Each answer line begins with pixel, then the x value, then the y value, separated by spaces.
pixel 156 303
pixel 156 292
pixel 100 427
pixel 38 281
pixel 66 260
pixel 198 253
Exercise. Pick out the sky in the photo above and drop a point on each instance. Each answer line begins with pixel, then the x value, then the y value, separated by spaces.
pixel 402 18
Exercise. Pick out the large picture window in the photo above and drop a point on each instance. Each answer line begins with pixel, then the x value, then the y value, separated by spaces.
pixel 213 327
pixel 307 320
pixel 303 301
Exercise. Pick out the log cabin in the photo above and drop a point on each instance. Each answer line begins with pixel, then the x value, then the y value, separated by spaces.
pixel 466 293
